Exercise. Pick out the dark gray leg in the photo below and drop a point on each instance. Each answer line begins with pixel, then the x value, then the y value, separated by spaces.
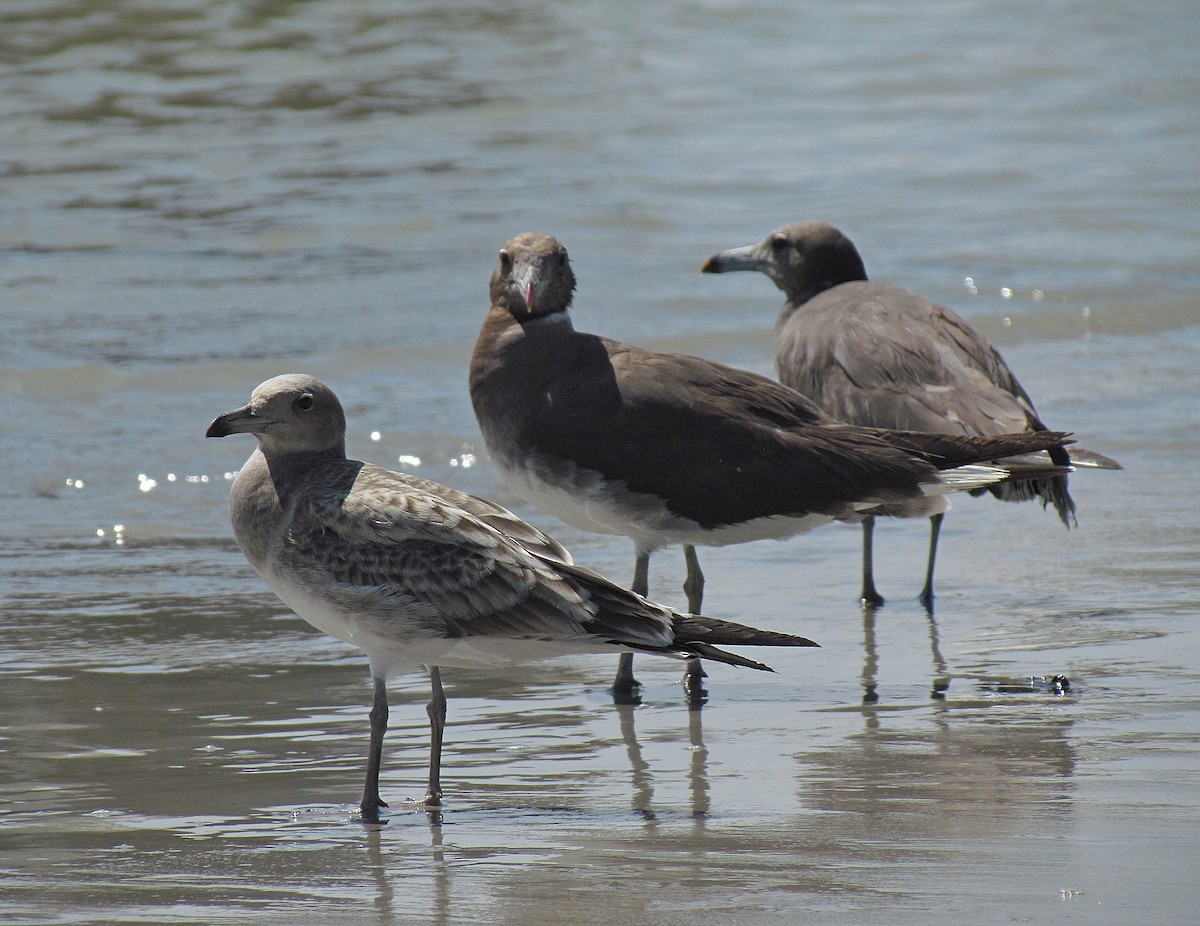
pixel 693 584
pixel 870 596
pixel 371 802
pixel 436 709
pixel 935 528
pixel 693 587
pixel 641 575
pixel 625 686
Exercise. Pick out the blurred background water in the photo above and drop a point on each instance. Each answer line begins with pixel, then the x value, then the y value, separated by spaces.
pixel 199 195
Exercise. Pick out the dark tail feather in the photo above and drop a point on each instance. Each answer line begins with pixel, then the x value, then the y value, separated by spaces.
pixel 695 628
pixel 1034 476
pixel 1028 478
pixel 705 651
pixel 946 451
pixel 1036 466
pixel 697 635
pixel 635 622
pixel 1051 491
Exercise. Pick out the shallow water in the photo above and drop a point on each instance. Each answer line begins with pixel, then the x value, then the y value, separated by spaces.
pixel 201 195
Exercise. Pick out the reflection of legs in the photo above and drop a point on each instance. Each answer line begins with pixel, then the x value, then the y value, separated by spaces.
pixel 625 686
pixel 441 874
pixel 380 875
pixel 870 658
pixel 941 679
pixel 935 528
pixel 693 587
pixel 698 776
pixel 643 784
pixel 436 709
pixel 371 802
pixel 869 595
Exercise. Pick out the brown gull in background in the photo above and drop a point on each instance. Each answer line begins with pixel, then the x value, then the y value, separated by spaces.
pixel 875 354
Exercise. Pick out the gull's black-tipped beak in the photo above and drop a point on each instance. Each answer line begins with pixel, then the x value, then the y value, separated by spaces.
pixel 734 259
pixel 238 421
pixel 219 428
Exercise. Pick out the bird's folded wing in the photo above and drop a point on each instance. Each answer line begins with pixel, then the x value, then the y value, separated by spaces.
pixel 391 545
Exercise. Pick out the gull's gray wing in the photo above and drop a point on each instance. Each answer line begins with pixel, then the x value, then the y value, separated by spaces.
pixel 453 564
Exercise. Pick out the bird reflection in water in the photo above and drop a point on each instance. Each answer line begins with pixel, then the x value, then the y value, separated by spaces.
pixel 870 672
pixel 640 775
pixel 439 912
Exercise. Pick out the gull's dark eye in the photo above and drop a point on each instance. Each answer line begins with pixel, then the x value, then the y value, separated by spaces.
pixel 305 402
pixel 505 259
pixel 778 243
pixel 562 258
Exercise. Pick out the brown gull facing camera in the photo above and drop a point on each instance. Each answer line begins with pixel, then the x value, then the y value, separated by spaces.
pixel 668 448
pixel 874 354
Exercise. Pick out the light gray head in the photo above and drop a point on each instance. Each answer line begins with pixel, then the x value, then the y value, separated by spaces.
pixel 293 413
pixel 803 259
pixel 533 277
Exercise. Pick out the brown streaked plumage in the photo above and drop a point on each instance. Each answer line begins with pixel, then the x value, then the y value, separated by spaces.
pixel 415 573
